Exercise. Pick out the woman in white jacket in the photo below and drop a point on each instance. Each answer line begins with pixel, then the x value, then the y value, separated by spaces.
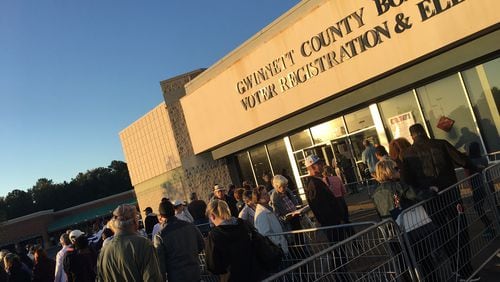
pixel 266 221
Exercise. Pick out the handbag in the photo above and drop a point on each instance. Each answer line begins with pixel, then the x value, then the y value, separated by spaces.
pixel 268 254
pixel 445 123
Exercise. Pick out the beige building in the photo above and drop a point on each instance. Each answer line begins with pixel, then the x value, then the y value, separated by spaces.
pixel 160 156
pixel 322 78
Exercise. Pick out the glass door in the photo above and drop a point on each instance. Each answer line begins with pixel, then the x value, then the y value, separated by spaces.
pixel 343 158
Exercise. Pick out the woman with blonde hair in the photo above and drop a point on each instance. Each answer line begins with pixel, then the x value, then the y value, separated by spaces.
pixel 391 196
pixel 229 247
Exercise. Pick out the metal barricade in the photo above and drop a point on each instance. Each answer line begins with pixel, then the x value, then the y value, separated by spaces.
pixel 307 242
pixel 446 233
pixel 303 244
pixel 374 254
pixel 492 179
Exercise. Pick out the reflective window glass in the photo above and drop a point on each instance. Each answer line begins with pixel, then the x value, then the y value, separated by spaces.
pixel 359 120
pixel 279 156
pixel 245 167
pixel 260 163
pixel 280 160
pixel 483 85
pixel 327 131
pixel 445 99
pixel 301 140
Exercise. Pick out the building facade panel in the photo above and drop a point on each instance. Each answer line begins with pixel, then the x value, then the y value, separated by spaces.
pixel 327 50
pixel 149 146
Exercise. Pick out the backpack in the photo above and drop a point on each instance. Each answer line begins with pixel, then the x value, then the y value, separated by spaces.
pixel 268 254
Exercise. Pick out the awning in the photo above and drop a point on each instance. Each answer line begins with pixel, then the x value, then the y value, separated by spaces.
pixel 87 215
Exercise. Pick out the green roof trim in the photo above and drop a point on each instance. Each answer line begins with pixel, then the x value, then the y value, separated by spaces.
pixel 86 215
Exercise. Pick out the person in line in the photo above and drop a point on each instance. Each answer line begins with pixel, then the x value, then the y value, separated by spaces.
pixel 107 234
pixel 157 226
pixel 325 207
pixel 80 263
pixel 478 189
pixel 397 147
pixel 181 212
pixel 248 211
pixel 220 194
pixel 391 196
pixel 128 256
pixel 429 164
pixel 22 253
pixel 15 270
pixel 238 196
pixel 44 268
pixel 149 221
pixel 178 245
pixel 229 248
pixel 197 209
pixel 368 156
pixel 337 189
pixel 265 221
pixel 60 275
pixel 284 203
pixel 3 273
pixel 381 153
pixel 267 178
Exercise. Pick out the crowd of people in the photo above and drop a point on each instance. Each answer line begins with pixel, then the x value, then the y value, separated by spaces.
pixel 167 247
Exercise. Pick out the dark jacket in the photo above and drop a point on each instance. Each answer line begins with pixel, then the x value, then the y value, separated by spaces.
pixel 229 252
pixel 19 273
pixel 178 246
pixel 197 209
pixel 231 203
pixel 431 162
pixel 149 222
pixel 80 265
pixel 44 270
pixel 325 207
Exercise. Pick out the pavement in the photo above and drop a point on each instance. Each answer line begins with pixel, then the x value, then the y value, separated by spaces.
pixel 361 208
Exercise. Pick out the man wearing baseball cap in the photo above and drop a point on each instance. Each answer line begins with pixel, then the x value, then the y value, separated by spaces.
pixel 220 194
pixel 323 204
pixel 128 256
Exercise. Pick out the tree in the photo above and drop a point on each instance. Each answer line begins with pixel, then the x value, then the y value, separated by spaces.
pixel 86 186
pixel 19 203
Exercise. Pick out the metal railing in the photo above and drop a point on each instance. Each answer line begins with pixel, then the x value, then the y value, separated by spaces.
pixel 303 243
pixel 438 239
pixel 446 233
pixel 374 254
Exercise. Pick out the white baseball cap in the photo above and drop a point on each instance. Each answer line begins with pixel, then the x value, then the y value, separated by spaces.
pixel 311 159
pixel 75 234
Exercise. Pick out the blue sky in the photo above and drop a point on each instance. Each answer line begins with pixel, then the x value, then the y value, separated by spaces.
pixel 75 73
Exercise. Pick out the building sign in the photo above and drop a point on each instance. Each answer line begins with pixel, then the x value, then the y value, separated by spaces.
pixel 336 44
pixel 400 125
pixel 319 49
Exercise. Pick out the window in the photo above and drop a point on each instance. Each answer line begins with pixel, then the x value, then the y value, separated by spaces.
pixel 327 131
pixel 483 85
pixel 260 163
pixel 393 112
pixel 245 167
pixel 359 120
pixel 279 156
pixel 446 98
pixel 301 140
